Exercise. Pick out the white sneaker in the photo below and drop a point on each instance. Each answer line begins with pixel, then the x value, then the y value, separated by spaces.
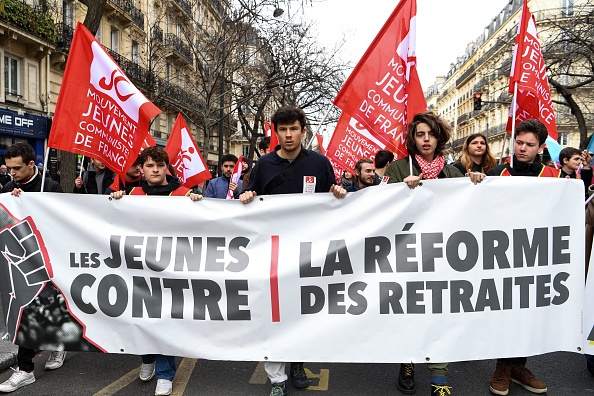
pixel 164 387
pixel 55 360
pixel 147 371
pixel 17 380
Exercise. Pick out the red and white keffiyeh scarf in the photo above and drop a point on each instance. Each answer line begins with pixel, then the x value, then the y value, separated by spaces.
pixel 431 170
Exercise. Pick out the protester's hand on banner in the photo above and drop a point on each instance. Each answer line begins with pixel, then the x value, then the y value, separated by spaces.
pixel 475 177
pixel 16 192
pixel 413 181
pixel 338 191
pixel 117 194
pixel 195 197
pixel 247 196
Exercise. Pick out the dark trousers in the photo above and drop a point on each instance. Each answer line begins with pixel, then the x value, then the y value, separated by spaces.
pixel 25 359
pixel 516 361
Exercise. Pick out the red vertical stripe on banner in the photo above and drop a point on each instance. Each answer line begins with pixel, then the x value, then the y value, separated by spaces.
pixel 274 280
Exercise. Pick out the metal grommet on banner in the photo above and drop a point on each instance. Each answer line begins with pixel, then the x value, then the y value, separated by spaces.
pixel 427 359
pixel 261 199
pixel 579 349
pixel 265 357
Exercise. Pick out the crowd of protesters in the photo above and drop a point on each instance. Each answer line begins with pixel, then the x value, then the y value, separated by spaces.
pixel 287 169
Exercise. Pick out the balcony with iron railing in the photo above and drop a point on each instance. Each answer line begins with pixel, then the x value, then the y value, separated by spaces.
pixel 159 134
pixel 157 34
pixel 17 13
pixel 183 5
pixel 64 35
pixel 125 11
pixel 464 77
pixel 140 76
pixel 174 44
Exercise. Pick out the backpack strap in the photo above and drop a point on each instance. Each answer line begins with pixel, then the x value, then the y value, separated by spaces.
pixel 279 179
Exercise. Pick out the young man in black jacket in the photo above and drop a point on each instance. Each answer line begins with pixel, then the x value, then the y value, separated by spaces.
pixel 20 161
pixel 312 172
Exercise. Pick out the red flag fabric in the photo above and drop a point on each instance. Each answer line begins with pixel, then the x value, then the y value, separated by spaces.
pixel 267 130
pixel 100 113
pixel 273 138
pixel 185 156
pixel 383 92
pixel 533 99
pixel 270 132
pixel 350 142
pixel 321 143
pixel 149 141
pixel 235 176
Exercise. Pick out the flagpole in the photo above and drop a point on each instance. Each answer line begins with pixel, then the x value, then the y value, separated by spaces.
pixel 321 123
pixel 513 131
pixel 82 161
pixel 44 168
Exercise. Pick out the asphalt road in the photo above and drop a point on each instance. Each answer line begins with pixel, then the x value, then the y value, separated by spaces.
pixel 98 374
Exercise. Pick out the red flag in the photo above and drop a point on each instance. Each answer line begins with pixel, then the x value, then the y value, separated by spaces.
pixel 267 129
pixel 148 142
pixel 533 99
pixel 383 92
pixel 273 138
pixel 321 143
pixel 270 132
pixel 99 113
pixel 350 142
pixel 235 176
pixel 185 156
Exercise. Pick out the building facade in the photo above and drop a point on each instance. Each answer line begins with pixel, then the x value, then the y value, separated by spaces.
pixel 155 42
pixel 484 68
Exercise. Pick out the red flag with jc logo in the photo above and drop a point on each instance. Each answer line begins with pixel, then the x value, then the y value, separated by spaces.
pixel 100 113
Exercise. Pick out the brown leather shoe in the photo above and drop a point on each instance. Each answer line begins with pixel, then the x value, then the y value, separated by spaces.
pixel 501 379
pixel 521 375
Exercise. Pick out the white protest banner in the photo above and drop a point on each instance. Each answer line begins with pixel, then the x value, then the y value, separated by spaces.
pixel 384 275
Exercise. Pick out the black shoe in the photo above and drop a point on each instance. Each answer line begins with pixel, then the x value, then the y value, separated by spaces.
pixel 406 378
pixel 440 390
pixel 298 376
pixel 279 389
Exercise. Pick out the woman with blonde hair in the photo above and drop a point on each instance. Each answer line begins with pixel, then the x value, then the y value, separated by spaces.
pixel 476 155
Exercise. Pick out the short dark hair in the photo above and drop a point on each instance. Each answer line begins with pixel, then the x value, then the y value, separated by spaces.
pixel 533 126
pixel 264 143
pixel 288 115
pixel 568 152
pixel 229 157
pixel 439 126
pixel 23 150
pixel 383 158
pixel 360 163
pixel 156 153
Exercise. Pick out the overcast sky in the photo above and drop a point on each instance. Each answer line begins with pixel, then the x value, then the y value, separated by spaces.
pixel 444 28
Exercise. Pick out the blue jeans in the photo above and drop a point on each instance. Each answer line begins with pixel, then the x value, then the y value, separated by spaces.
pixel 165 367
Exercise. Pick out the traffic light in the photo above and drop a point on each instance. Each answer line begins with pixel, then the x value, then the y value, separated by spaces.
pixel 478 102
